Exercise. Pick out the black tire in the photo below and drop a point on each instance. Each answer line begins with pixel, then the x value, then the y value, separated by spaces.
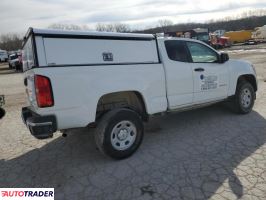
pixel 238 103
pixel 112 120
pixel 10 66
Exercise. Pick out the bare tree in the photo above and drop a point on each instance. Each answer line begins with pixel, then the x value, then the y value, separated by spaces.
pixel 110 28
pixel 119 27
pixel 73 27
pixel 11 42
pixel 164 24
pixel 122 28
pixel 105 27
pixel 100 27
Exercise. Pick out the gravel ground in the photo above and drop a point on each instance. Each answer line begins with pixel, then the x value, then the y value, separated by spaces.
pixel 208 153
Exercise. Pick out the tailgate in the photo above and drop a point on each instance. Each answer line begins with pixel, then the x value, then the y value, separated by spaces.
pixel 30 89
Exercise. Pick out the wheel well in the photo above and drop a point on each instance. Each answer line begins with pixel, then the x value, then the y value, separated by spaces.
pixel 249 78
pixel 125 99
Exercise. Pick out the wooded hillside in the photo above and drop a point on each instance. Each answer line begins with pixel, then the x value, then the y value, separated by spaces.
pixel 248 23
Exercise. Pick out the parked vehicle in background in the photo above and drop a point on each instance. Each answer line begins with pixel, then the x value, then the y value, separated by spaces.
pixel 15 61
pixel 259 35
pixel 116 81
pixel 20 63
pixel 219 32
pixel 13 58
pixel 201 34
pixel 3 56
pixel 219 42
pixel 239 36
pixel 251 42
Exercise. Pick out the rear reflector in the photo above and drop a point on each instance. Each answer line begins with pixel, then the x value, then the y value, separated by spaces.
pixel 43 90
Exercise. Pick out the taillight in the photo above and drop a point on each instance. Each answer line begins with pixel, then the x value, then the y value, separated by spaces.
pixel 43 90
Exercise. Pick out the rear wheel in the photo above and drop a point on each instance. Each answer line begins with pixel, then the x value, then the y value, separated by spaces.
pixel 244 99
pixel 119 133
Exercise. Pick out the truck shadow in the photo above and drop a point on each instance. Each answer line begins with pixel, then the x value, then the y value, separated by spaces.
pixel 189 155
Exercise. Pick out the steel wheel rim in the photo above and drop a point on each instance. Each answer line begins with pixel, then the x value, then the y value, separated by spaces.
pixel 123 135
pixel 246 98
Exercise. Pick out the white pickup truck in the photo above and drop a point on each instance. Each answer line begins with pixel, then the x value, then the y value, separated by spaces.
pixel 113 82
pixel 3 56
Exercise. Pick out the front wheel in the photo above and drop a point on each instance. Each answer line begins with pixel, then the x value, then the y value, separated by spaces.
pixel 119 133
pixel 244 98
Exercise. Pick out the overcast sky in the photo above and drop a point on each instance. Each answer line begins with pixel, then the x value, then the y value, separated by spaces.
pixel 17 16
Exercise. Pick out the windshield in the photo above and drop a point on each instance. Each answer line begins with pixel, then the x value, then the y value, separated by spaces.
pixel 204 37
pixel 12 57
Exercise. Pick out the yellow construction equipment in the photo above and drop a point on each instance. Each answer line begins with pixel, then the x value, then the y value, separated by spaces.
pixel 239 36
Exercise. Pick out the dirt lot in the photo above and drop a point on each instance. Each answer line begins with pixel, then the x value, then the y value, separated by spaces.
pixel 208 153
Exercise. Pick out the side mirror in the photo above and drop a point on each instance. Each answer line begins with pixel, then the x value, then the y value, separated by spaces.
pixel 224 57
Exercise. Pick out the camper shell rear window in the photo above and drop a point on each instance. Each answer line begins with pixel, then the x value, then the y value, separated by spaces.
pixel 28 54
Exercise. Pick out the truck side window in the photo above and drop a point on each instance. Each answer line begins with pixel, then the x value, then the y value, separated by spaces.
pixel 176 50
pixel 201 53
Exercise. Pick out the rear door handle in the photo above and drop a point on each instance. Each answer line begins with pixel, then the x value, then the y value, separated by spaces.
pixel 199 70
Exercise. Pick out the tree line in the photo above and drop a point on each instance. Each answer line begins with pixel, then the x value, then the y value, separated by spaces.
pixel 110 27
pixel 245 21
pixel 10 42
pixel 248 23
pixel 13 41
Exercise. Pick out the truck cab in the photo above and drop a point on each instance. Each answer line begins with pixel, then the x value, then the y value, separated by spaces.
pixel 196 74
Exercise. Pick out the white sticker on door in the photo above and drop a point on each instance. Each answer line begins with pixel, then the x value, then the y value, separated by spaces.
pixel 209 82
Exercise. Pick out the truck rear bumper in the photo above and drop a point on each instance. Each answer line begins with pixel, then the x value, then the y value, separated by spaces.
pixel 41 127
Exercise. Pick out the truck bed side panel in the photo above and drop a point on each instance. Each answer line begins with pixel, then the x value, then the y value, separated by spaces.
pixel 77 89
pixel 71 51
